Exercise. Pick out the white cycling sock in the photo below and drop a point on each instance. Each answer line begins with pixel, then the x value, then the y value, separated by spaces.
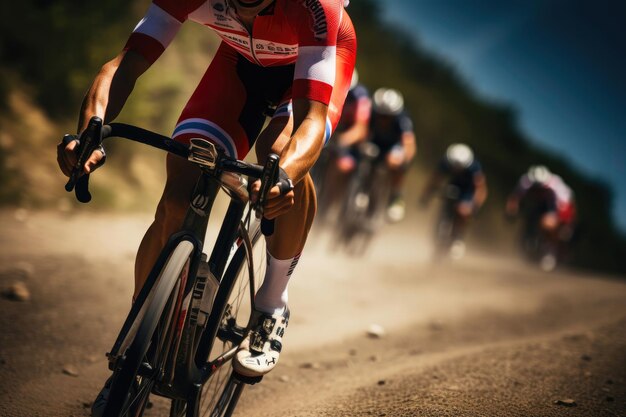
pixel 272 296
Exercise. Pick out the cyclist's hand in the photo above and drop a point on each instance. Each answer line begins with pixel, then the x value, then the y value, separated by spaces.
pixel 280 198
pixel 66 156
pixel 465 208
pixel 278 203
pixel 396 158
pixel 511 209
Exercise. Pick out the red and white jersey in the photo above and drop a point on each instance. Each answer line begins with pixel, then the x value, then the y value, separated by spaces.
pixel 563 193
pixel 301 32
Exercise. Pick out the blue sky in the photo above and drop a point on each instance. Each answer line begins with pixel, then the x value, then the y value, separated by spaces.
pixel 562 63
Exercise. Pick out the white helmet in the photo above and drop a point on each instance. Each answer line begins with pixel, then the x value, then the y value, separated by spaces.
pixel 459 155
pixel 388 101
pixel 539 174
pixel 355 79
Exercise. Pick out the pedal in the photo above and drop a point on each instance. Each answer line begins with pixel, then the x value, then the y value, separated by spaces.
pixel 250 380
pixel 145 370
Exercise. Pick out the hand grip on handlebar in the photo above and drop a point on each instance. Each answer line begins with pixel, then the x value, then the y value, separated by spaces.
pixel 90 139
pixel 268 180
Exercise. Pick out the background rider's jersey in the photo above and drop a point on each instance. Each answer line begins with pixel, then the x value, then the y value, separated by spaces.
pixel 388 133
pixel 555 193
pixel 462 179
pixel 357 108
pixel 301 32
pixel 562 192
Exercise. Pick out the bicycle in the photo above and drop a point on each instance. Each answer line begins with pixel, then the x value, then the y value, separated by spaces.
pixel 330 183
pixel 363 209
pixel 537 248
pixel 191 314
pixel 446 227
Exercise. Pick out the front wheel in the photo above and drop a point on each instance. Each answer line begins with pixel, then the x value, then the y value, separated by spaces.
pixel 138 367
pixel 229 322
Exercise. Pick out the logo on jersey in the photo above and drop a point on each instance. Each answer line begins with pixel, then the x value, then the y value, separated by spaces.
pixel 276 48
pixel 237 39
pixel 219 7
pixel 320 26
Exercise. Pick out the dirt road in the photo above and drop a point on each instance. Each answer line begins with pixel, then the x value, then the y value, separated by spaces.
pixel 481 337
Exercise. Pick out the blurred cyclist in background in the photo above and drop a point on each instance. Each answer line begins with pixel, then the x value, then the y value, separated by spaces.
pixel 391 130
pixel 464 193
pixel 549 213
pixel 337 162
pixel 353 124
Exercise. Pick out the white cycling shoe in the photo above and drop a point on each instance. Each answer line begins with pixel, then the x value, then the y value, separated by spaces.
pixel 259 351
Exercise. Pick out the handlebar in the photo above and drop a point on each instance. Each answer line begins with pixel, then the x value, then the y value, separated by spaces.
pixel 92 138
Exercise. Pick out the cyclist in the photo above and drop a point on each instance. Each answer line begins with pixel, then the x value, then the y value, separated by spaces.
pixel 466 190
pixel 351 130
pixel 391 130
pixel 296 57
pixel 549 209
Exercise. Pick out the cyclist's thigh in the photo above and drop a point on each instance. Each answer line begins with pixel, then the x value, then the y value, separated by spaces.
pixel 222 109
pixel 182 176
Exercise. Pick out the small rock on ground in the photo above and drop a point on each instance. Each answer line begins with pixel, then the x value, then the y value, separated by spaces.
pixel 17 292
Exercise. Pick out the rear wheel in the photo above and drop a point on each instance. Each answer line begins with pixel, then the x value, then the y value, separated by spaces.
pixel 138 366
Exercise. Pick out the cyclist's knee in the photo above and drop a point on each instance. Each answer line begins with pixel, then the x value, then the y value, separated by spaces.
pixel 181 179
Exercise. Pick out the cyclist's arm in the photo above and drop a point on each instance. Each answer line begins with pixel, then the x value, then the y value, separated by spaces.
pixel 409 145
pixel 513 201
pixel 307 138
pixel 407 138
pixel 111 87
pixel 105 99
pixel 115 81
pixel 480 189
pixel 300 152
pixel 357 133
pixel 314 79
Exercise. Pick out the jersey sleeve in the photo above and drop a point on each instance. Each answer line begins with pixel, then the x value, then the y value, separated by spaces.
pixel 315 68
pixel 158 27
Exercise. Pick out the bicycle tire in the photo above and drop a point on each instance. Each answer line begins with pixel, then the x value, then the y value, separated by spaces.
pixel 124 378
pixel 380 190
pixel 233 301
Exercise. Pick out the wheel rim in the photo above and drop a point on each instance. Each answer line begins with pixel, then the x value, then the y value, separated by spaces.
pixel 218 390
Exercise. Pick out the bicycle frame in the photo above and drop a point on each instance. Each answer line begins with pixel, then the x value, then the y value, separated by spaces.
pixel 185 382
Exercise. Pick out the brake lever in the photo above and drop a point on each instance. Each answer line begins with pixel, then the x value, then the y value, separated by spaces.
pixel 89 140
pixel 268 179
